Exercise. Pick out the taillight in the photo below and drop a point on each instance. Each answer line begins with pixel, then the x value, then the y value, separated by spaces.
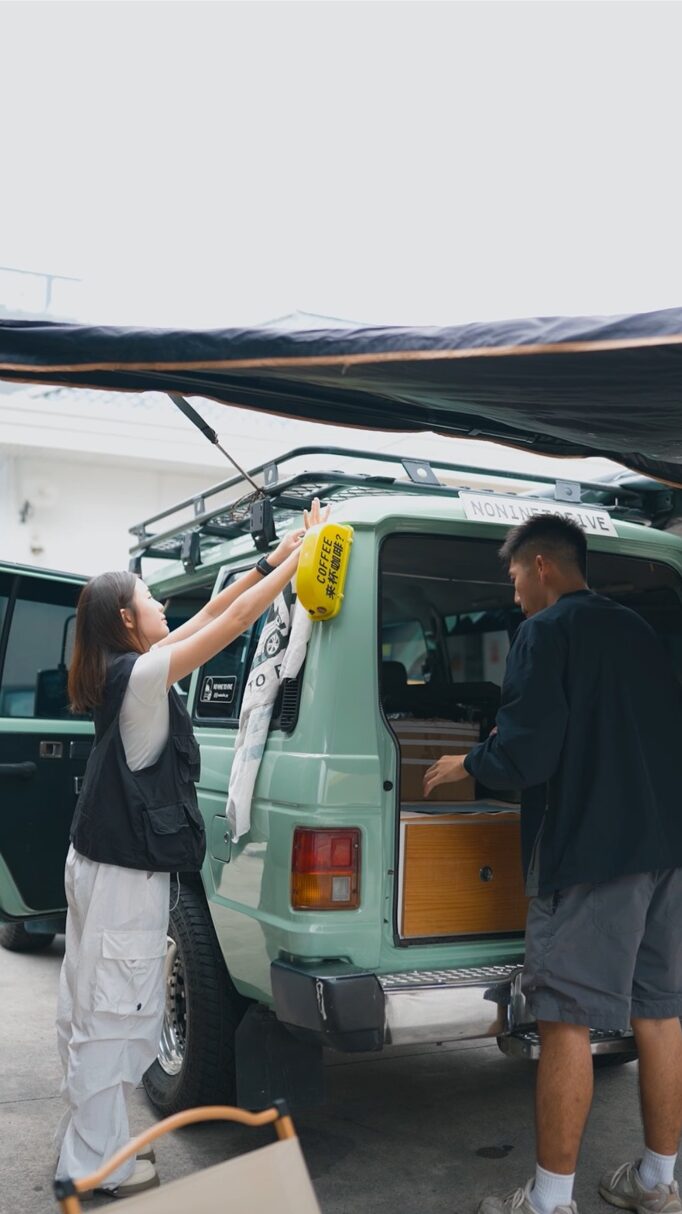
pixel 325 869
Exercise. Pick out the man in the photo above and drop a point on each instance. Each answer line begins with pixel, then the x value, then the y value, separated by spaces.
pixel 591 710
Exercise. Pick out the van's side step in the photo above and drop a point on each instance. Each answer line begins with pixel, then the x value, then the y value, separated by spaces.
pixel 525 1043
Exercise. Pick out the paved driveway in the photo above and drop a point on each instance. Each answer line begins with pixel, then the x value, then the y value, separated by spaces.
pixel 414 1131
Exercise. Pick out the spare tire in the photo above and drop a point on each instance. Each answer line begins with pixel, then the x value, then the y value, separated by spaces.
pixel 15 938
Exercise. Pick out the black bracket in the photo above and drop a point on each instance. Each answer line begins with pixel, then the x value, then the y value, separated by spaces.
pixel 190 553
pixel 262 524
pixel 420 471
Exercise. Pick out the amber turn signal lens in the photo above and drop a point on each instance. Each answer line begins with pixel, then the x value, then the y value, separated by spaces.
pixel 325 869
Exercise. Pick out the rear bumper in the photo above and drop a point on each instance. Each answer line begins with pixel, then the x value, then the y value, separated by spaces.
pixel 353 1010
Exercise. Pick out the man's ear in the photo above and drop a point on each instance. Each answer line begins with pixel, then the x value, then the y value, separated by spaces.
pixel 540 566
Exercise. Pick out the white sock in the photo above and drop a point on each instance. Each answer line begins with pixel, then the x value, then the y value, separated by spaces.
pixel 656 1169
pixel 551 1189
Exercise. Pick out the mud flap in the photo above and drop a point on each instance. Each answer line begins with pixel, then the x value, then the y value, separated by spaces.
pixel 271 1064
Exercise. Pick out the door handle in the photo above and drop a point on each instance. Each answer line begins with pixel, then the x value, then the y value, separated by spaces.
pixel 51 750
pixel 21 771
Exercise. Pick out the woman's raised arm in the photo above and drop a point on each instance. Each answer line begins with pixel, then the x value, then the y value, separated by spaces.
pixel 189 652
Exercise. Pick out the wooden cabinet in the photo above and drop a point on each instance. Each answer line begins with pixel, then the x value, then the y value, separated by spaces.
pixel 461 873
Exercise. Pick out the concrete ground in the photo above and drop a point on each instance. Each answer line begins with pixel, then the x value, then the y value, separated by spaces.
pixel 415 1131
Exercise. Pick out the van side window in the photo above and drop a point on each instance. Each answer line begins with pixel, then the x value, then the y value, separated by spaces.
pixel 179 609
pixel 221 681
pixel 39 650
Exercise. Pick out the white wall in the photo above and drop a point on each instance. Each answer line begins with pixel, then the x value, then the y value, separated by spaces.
pixel 89 464
pixel 80 511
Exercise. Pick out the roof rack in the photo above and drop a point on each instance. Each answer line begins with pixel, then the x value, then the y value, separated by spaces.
pixel 191 538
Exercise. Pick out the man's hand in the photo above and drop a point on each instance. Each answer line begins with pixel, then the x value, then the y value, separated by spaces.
pixel 449 769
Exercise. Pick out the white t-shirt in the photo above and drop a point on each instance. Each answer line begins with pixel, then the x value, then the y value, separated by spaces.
pixel 144 713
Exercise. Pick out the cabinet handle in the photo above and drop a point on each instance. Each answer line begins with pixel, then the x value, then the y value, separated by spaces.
pixel 20 771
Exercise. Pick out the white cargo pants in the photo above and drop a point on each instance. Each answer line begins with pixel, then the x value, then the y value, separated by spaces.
pixel 111 999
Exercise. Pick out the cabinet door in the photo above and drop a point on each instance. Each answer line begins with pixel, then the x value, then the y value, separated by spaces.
pixel 43 748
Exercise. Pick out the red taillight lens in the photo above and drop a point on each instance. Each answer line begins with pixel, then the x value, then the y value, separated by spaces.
pixel 325 869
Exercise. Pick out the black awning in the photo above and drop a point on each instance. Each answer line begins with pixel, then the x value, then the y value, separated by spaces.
pixel 568 386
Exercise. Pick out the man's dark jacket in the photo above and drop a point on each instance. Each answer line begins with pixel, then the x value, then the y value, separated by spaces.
pixel 590 709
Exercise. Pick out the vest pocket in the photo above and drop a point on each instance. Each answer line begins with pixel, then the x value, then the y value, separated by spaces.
pixel 129 973
pixel 171 835
pixel 188 756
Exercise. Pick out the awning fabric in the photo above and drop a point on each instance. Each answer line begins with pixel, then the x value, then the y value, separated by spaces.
pixel 568 386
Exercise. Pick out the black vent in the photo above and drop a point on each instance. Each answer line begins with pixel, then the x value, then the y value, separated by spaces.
pixel 287 704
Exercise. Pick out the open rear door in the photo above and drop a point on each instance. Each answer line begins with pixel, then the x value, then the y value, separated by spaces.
pixel 43 749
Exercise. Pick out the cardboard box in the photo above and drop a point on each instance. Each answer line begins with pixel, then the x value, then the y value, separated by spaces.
pixel 421 744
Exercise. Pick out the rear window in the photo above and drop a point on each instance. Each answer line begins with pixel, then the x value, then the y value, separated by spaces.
pixel 459 591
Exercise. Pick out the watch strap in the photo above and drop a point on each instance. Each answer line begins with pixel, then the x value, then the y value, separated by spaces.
pixel 264 567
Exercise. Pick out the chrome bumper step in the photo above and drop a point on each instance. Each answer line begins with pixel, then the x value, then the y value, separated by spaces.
pixel 525 1043
pixel 472 1003
pixel 446 1004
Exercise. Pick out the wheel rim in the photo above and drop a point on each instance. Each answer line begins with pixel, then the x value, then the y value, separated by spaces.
pixel 174 1032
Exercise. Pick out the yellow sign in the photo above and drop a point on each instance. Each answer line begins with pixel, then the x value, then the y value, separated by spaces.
pixel 325 553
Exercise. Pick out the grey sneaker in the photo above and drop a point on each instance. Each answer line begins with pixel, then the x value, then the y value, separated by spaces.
pixel 519 1202
pixel 624 1188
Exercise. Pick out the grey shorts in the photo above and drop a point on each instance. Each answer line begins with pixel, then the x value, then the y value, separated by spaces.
pixel 602 954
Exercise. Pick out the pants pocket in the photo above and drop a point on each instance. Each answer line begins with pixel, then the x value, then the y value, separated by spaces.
pixel 129 973
pixel 619 907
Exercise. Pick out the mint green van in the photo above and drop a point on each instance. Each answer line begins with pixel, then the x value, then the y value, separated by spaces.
pixel 352 916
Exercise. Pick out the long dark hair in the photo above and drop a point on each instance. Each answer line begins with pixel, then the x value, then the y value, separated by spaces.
pixel 100 631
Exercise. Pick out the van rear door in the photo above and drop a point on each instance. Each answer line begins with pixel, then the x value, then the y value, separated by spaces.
pixel 43 749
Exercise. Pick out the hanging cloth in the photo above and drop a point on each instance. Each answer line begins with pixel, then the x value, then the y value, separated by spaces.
pixel 279 655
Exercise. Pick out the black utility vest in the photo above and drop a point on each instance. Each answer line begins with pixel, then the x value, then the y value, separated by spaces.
pixel 145 819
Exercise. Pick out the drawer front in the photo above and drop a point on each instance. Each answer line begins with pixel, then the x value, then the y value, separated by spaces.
pixel 462 876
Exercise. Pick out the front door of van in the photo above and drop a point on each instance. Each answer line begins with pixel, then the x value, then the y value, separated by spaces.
pixel 43 749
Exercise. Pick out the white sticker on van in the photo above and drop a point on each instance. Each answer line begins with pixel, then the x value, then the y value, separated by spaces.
pixel 511 511
pixel 218 689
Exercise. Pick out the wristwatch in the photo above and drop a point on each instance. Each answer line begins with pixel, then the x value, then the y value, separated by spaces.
pixel 264 567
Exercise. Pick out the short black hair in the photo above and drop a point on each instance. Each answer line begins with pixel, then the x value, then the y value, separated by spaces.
pixel 547 535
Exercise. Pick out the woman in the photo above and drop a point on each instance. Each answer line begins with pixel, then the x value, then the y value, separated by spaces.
pixel 136 821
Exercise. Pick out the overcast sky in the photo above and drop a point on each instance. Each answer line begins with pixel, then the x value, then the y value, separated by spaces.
pixel 223 163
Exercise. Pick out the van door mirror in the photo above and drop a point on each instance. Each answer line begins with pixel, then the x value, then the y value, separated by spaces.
pixel 52 694
pixel 52 690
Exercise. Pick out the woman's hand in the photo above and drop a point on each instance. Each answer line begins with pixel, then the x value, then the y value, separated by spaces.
pixel 289 544
pixel 316 515
pixel 292 541
pixel 449 769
